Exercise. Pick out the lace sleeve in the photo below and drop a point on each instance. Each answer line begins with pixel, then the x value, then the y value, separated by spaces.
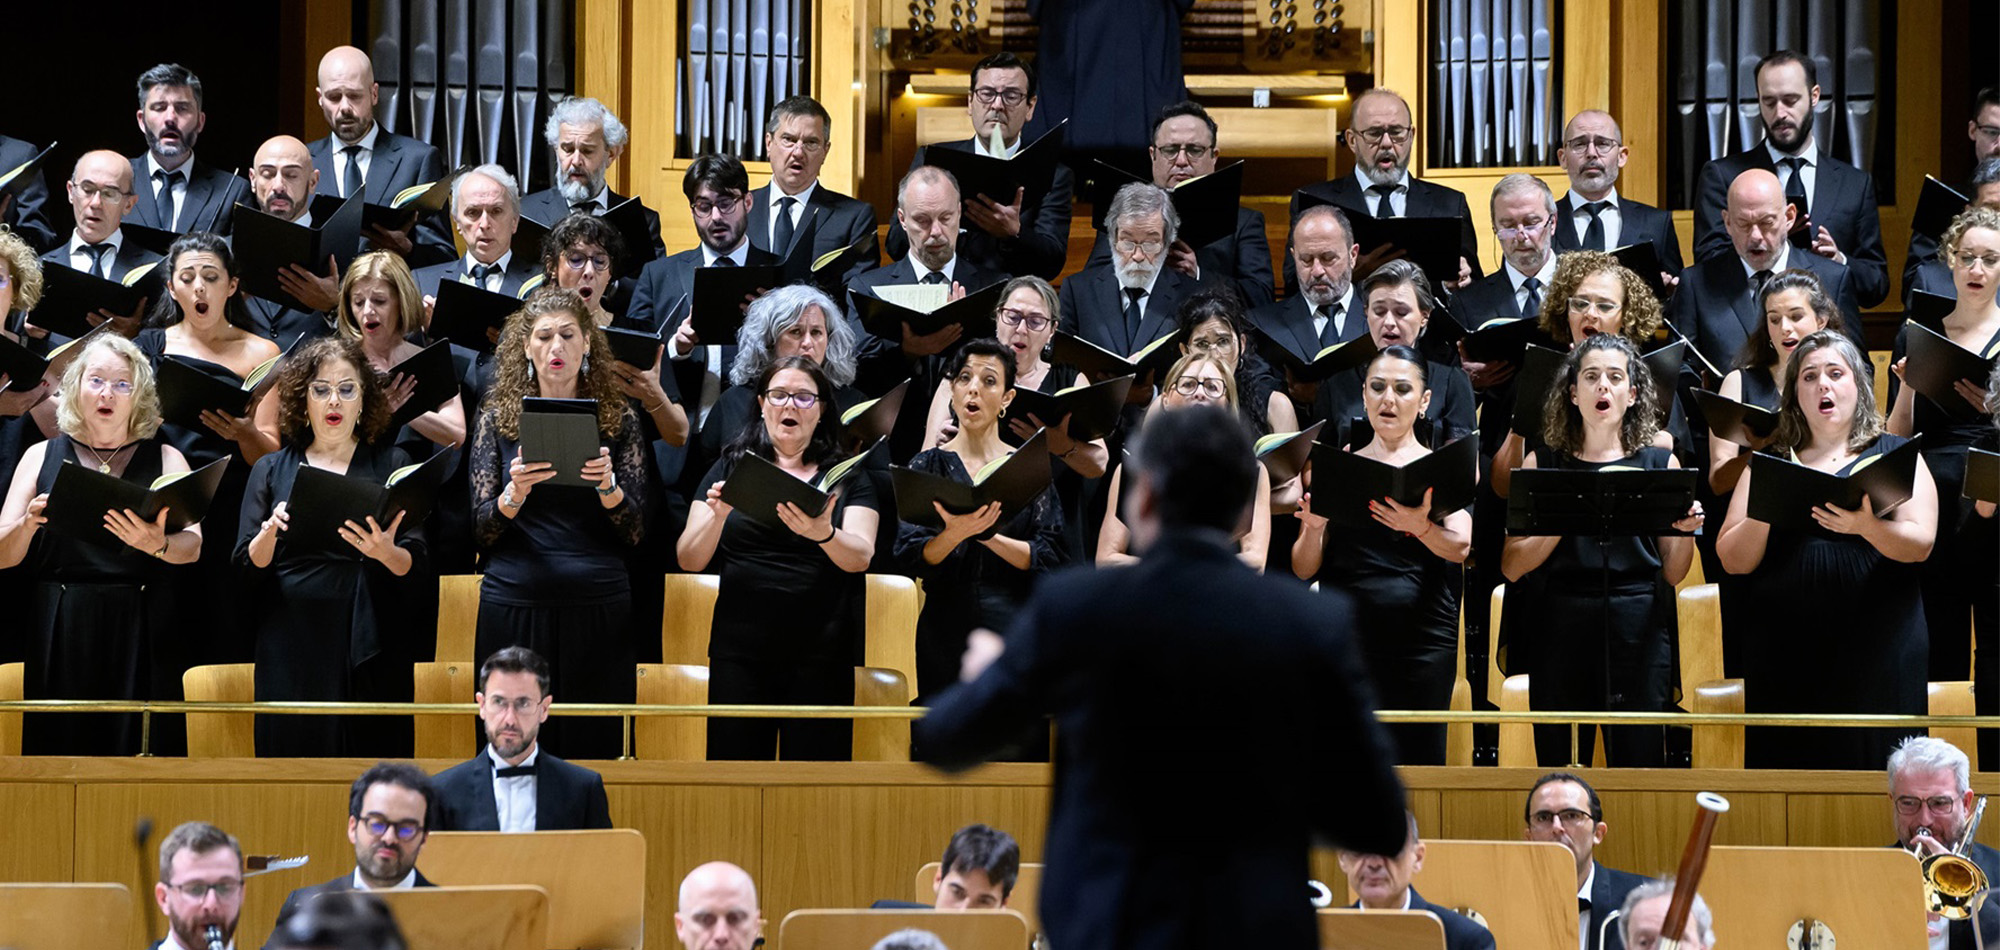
pixel 1045 547
pixel 486 471
pixel 629 459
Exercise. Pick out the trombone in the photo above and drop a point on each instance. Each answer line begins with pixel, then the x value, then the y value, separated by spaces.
pixel 1951 880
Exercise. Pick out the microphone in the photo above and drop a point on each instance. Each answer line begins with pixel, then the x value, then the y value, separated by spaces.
pixel 214 936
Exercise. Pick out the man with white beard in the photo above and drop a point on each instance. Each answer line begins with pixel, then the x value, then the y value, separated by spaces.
pixel 586 138
pixel 1132 301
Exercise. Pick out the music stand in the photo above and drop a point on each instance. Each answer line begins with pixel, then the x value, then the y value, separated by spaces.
pixel 1619 503
pixel 1348 928
pixel 596 880
pixel 1868 897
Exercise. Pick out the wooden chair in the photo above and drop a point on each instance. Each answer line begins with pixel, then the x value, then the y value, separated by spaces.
pixel 596 880
pixel 449 681
pixel 1700 635
pixel 1954 698
pixel 1348 928
pixel 488 917
pixel 62 916
pixel 1718 747
pixel 1494 681
pixel 1525 890
pixel 1021 900
pixel 12 677
pixel 894 602
pixel 1517 740
pixel 859 929
pixel 689 614
pixel 458 616
pixel 881 740
pixel 221 735
pixel 1458 735
pixel 672 738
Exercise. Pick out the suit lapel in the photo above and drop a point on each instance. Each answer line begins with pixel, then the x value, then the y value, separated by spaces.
pixel 200 193
pixel 485 811
pixel 1298 319
pixel 147 210
pixel 760 216
pixel 1741 299
pixel 1115 297
pixel 1160 307
pixel 382 170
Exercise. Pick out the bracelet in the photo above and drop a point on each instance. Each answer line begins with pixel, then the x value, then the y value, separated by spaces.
pixel 649 410
pixel 829 536
pixel 1072 451
pixel 507 498
pixel 1428 526
pixel 604 492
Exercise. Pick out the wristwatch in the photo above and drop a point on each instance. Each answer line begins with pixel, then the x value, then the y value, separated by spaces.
pixel 607 490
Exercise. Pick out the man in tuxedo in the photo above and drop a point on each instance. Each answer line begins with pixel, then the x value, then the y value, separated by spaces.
pixel 515 786
pixel 1030 235
pixel 1099 649
pixel 1931 799
pixel 1324 312
pixel 486 208
pixel 1185 146
pixel 1384 884
pixel 796 138
pixel 361 157
pixel 718 909
pixel 1592 216
pixel 1135 299
pixel 1838 218
pixel 283 182
pixel 100 196
pixel 1382 137
pixel 176 190
pixel 24 205
pixel 1644 916
pixel 200 886
pixel 586 138
pixel 1563 808
pixel 1716 306
pixel 385 823
pixel 1527 222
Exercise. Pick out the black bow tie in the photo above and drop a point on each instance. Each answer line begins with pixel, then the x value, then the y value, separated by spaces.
pixel 1583 904
pixel 513 770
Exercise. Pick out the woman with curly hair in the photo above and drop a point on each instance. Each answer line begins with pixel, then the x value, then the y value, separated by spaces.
pixel 1600 416
pixel 331 624
pixel 556 579
pixel 20 290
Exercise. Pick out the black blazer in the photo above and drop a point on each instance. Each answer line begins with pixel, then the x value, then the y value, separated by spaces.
pixel 879 363
pixel 519 271
pixel 1241 261
pixel 1289 322
pixel 567 797
pixel 300 897
pixel 842 221
pixel 661 285
pixel 1040 248
pixel 1125 660
pixel 397 163
pixel 1715 309
pixel 28 214
pixel 1842 202
pixel 1092 306
pixel 1460 933
pixel 1638 221
pixel 1607 896
pixel 284 324
pixel 211 194
pixel 548 206
pixel 130 255
pixel 1425 200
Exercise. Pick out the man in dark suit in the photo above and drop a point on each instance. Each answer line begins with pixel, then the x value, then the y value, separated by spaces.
pixel 100 195
pixel 515 785
pixel 1099 649
pixel 1382 138
pixel 1184 147
pixel 1644 916
pixel 1526 221
pixel 362 157
pixel 1031 235
pixel 200 886
pixel 1930 791
pixel 1593 216
pixel 796 137
pixel 24 207
pixel 1564 809
pixel 282 183
pixel 1840 221
pixel 1324 311
pixel 586 138
pixel 177 192
pixel 486 207
pixel 1135 299
pixel 386 808
pixel 1716 306
pixel 1384 884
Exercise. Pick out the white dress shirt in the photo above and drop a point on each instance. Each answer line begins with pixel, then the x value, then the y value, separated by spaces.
pixel 1777 266
pixel 81 259
pixel 1583 917
pixel 186 169
pixel 493 280
pixel 1614 222
pixel 514 796
pixel 365 158
pixel 409 880
pixel 798 211
pixel 1399 199
pixel 1811 172
pixel 923 270
pixel 1546 274
pixel 1346 305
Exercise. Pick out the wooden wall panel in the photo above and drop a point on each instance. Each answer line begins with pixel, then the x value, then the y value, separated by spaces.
pixel 38 823
pixel 686 826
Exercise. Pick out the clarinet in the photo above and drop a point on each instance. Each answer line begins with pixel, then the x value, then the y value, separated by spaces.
pixel 214 936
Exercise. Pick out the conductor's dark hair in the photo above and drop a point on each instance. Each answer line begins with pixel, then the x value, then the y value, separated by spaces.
pixel 389 773
pixel 824 447
pixel 1784 56
pixel 167 312
pixel 985 346
pixel 986 849
pixel 1181 108
pixel 582 227
pixel 515 660
pixel 723 174
pixel 1200 465
pixel 795 106
pixel 1004 60
pixel 340 920
pixel 169 74
pixel 1596 806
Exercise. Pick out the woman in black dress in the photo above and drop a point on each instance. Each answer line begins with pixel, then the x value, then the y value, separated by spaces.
pixel 1403 570
pixel 788 617
pixel 1594 652
pixel 334 623
pixel 1849 588
pixel 99 626
pixel 582 254
pixel 1398 303
pixel 556 578
pixel 976 571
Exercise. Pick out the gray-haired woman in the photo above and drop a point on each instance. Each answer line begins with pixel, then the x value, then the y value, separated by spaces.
pixel 798 320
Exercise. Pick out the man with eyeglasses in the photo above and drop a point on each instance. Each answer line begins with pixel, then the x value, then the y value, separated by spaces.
pixel 514 785
pixel 1184 147
pixel 1031 234
pixel 177 191
pixel 585 137
pixel 796 137
pixel 486 210
pixel 1525 220
pixel 1382 136
pixel 360 157
pixel 1564 809
pixel 1931 800
pixel 200 886
pixel 283 181
pixel 100 195
pixel 1836 214
pixel 385 823
pixel 1135 299
pixel 1593 216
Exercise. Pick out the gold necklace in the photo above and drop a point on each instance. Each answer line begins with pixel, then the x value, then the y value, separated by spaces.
pixel 104 464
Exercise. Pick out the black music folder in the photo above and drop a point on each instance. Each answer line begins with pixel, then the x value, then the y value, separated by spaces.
pixel 1093 408
pixel 82 495
pixel 266 244
pixel 1014 481
pixel 437 382
pixel 1031 169
pixel 1784 493
pixel 562 432
pixel 1935 363
pixel 1601 503
pixel 756 486
pixel 1344 483
pixel 322 502
pixel 1735 421
pixel 973 312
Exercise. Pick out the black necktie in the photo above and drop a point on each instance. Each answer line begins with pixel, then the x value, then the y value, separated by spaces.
pixel 1583 905
pixel 513 770
pixel 1383 208
pixel 724 262
pixel 98 252
pixel 1531 302
pixel 934 277
pixel 1132 314
pixel 1795 188
pixel 350 180
pixel 1330 334
pixel 480 273
pixel 1593 233
pixel 781 230
pixel 166 196
pixel 1757 282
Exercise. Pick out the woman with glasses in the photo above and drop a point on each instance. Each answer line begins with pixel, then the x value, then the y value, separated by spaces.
pixel 333 623
pixel 1211 322
pixel 788 615
pixel 1196 379
pixel 1852 584
pixel 1397 301
pixel 582 255
pixel 1595 650
pixel 99 624
pixel 556 579
pixel 1401 570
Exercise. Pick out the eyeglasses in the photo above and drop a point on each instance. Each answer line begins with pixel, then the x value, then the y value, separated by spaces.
pixel 1035 322
pixel 584 261
pixel 1599 144
pixel 1526 229
pixel 1940 804
pixel 1148 248
pixel 1604 308
pixel 1189 385
pixel 1194 153
pixel 1393 133
pixel 1011 97
pixel 812 146
pixel 521 705
pixel 1987 261
pixel 91 190
pixel 725 204
pixel 1213 343
pixel 98 384
pixel 405 830
pixel 349 390
pixel 1568 816
pixel 1988 131
pixel 196 891
pixel 779 397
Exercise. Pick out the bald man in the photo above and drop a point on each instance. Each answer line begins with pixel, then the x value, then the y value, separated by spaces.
pixel 282 179
pixel 718 909
pixel 1593 216
pixel 363 157
pixel 100 196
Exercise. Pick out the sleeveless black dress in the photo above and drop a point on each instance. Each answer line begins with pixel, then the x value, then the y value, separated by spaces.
pixel 1739 624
